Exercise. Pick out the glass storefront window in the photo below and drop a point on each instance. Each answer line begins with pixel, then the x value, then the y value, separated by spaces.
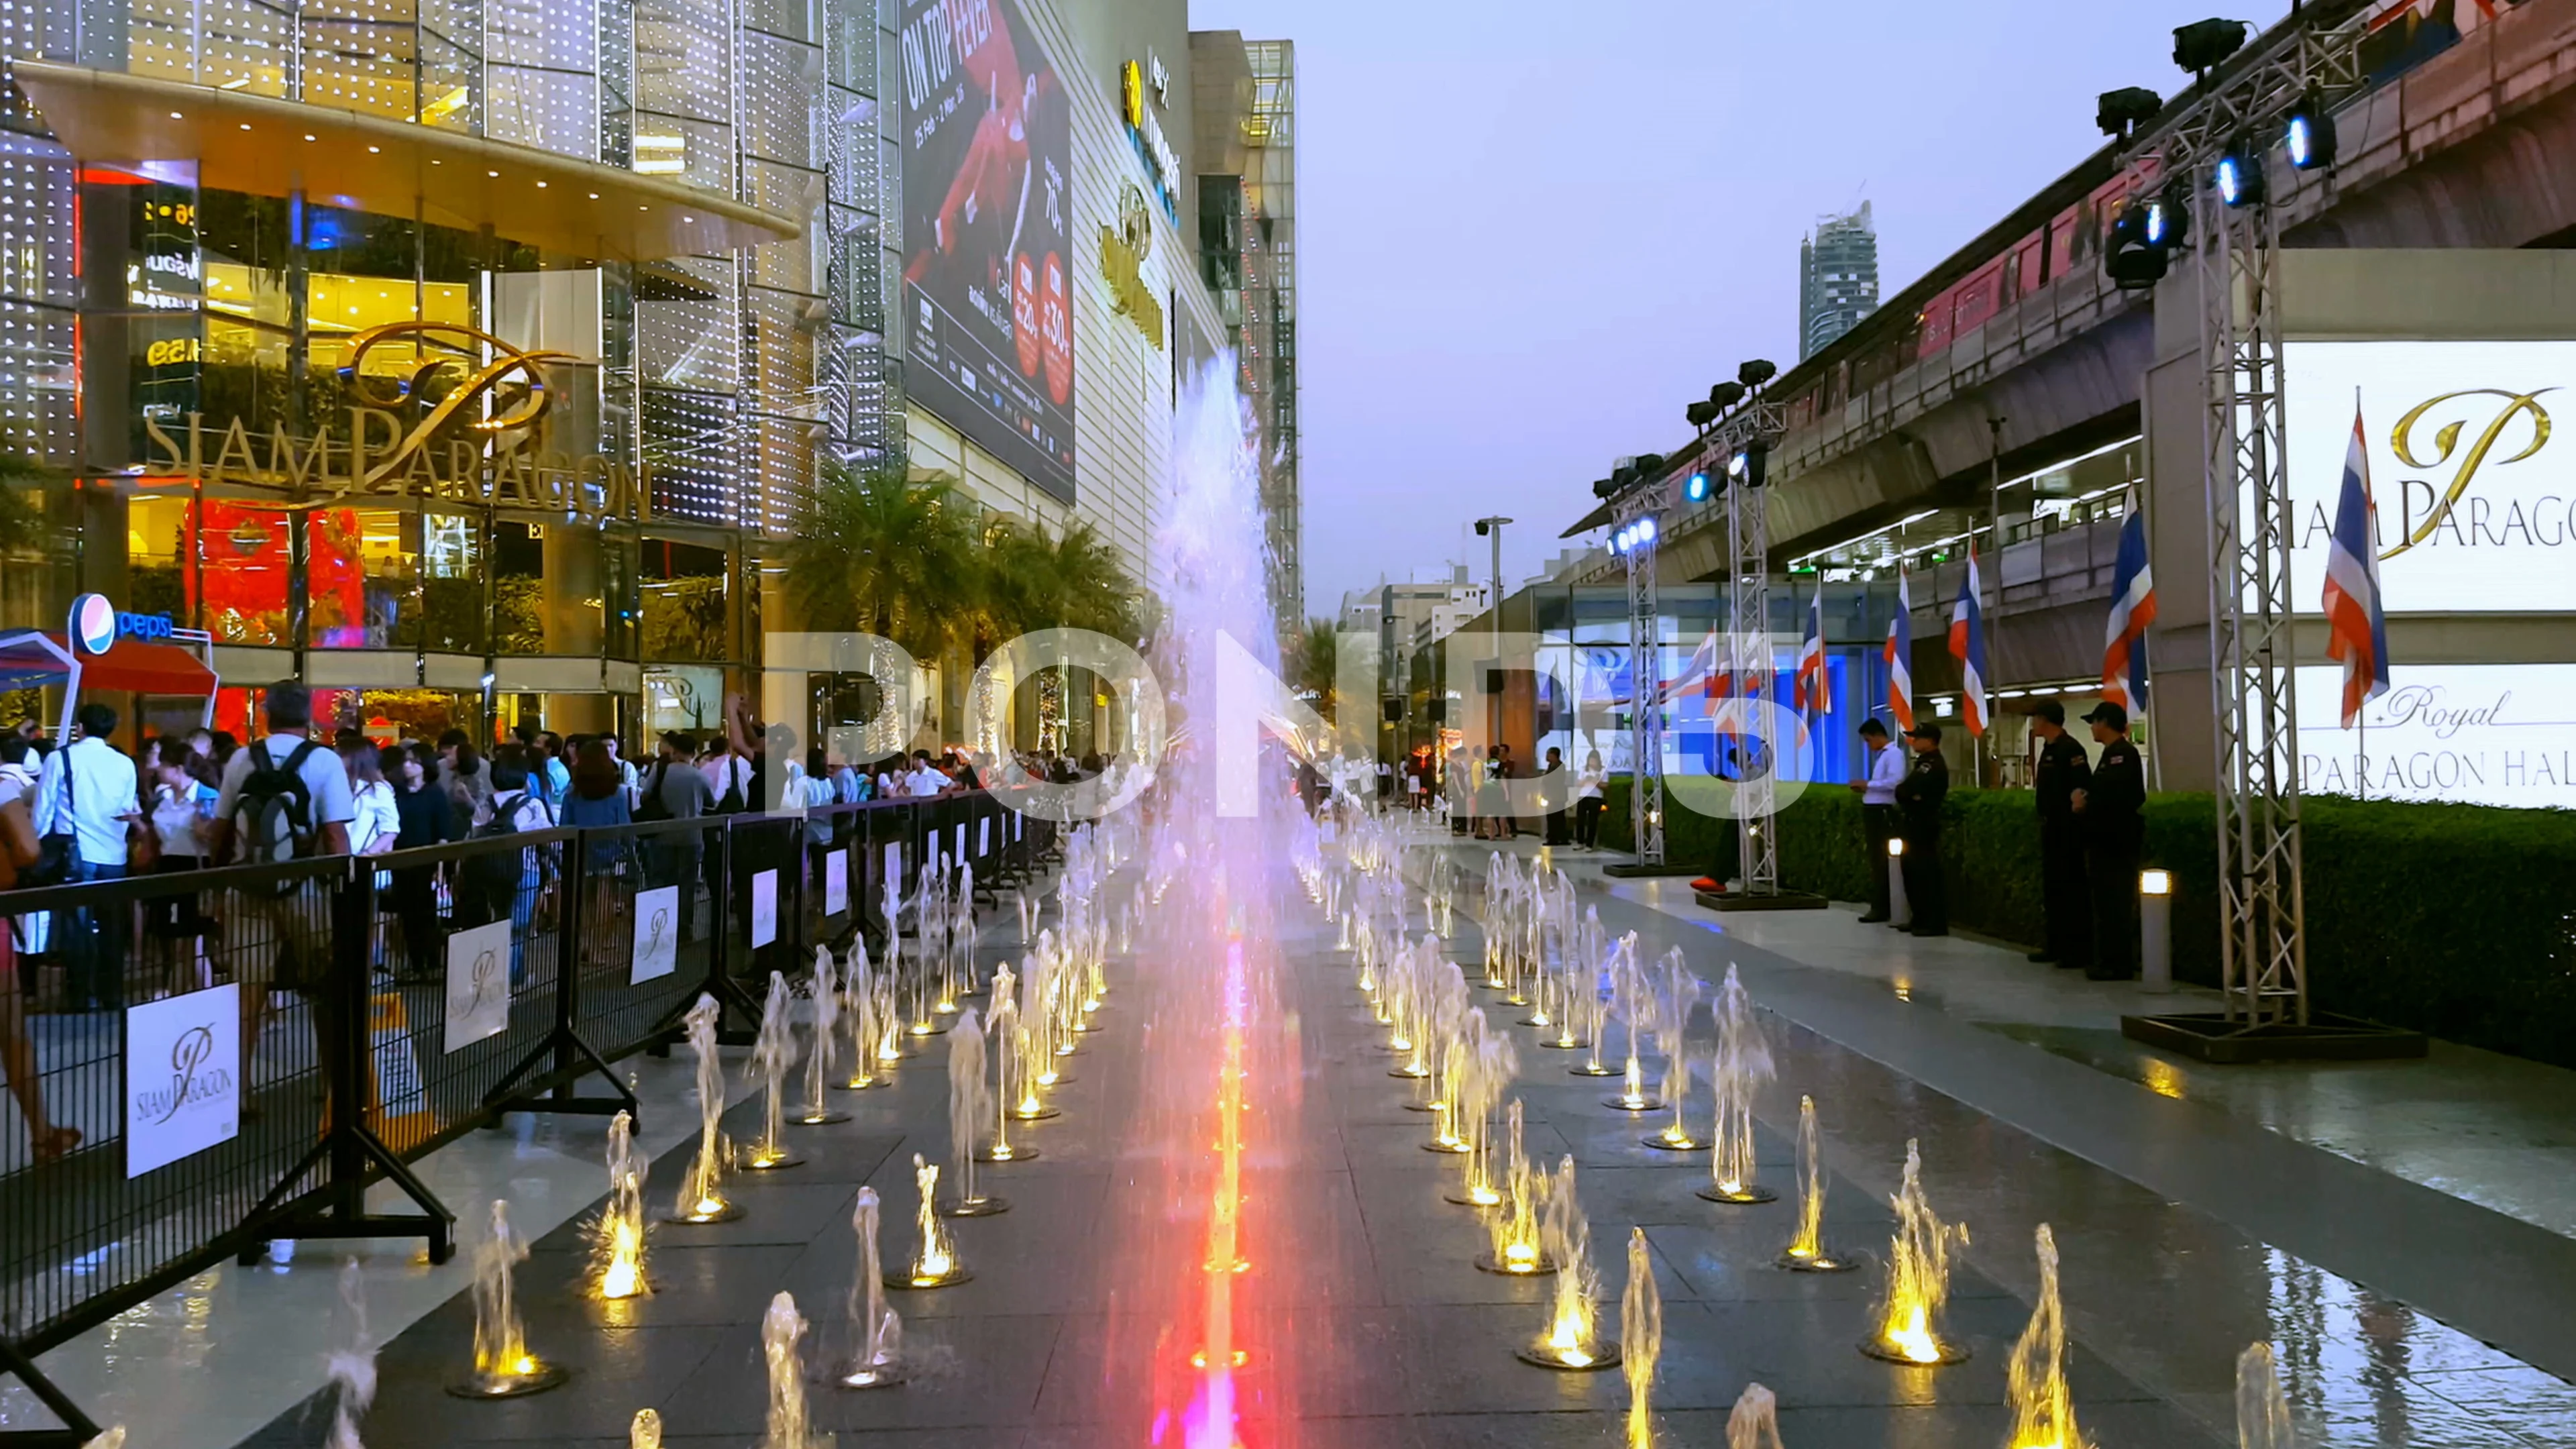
pixel 365 573
pixel 157 526
pixel 518 588
pixel 451 581
pixel 620 607
pixel 243 555
pixel 684 601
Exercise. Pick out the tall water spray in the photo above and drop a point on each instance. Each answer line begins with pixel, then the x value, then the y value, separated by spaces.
pixel 1806 1252
pixel 1641 1335
pixel 827 1044
pixel 2262 1409
pixel 702 1198
pixel 1918 1277
pixel 351 1367
pixel 2043 1409
pixel 968 1103
pixel 1743 1063
pixel 1754 1422
pixel 503 1366
pixel 617 1239
pixel 782 1334
pixel 877 1361
pixel 772 1053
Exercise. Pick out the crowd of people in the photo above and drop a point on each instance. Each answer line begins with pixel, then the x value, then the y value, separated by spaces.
pixel 83 809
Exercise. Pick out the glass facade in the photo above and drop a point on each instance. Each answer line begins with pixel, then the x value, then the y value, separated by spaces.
pixel 391 454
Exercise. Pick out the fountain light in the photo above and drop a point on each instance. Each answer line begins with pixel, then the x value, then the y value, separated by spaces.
pixel 1918 1279
pixel 702 1198
pixel 879 1362
pixel 2043 1410
pixel 1571 1341
pixel 1807 1252
pixel 935 1265
pixel 968 1102
pixel 827 1045
pixel 867 1032
pixel 1641 1334
pixel 772 1053
pixel 1517 1248
pixel 617 1240
pixel 503 1367
pixel 1743 1062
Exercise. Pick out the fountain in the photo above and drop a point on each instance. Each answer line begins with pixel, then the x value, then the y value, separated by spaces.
pixel 1675 1015
pixel 1754 1422
pixel 351 1369
pixel 1641 1334
pixel 1513 1221
pixel 935 1265
pixel 1596 1002
pixel 1638 1012
pixel 2262 1410
pixel 1806 1252
pixel 791 1426
pixel 2043 1411
pixel 878 1363
pixel 1025 1106
pixel 702 1198
pixel 503 1366
pixel 859 989
pixel 617 1239
pixel 1918 1279
pixel 827 1045
pixel 772 1053
pixel 968 1101
pixel 646 1431
pixel 1743 1062
pixel 112 1437
pixel 1570 1342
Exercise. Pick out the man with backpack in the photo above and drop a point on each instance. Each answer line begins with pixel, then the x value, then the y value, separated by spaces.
pixel 675 789
pixel 284 797
pixel 85 804
pixel 509 882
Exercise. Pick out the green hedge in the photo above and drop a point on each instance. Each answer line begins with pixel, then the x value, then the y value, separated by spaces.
pixel 2455 920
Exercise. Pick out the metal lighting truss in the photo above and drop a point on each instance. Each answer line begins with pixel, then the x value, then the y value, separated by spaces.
pixel 1748 640
pixel 1645 674
pixel 2246 487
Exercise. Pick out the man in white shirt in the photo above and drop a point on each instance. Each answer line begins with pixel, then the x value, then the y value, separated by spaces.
pixel 264 923
pixel 1878 810
pixel 925 781
pixel 87 791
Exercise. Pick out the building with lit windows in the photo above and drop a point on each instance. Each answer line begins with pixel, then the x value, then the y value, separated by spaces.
pixel 1248 249
pixel 470 363
pixel 1837 278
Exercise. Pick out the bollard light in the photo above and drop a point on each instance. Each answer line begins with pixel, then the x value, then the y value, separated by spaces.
pixel 1900 911
pixel 1896 845
pixel 2155 930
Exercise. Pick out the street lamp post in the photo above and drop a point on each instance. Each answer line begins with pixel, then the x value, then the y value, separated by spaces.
pixel 1491 527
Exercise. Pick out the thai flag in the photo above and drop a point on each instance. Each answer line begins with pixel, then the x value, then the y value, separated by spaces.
pixel 1900 656
pixel 1808 688
pixel 2133 608
pixel 1968 646
pixel 1705 664
pixel 2356 625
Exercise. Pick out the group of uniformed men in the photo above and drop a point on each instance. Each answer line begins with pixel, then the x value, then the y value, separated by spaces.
pixel 2090 833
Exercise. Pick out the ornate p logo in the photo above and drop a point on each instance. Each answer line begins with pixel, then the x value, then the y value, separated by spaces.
pixel 472 384
pixel 2446 442
pixel 187 1054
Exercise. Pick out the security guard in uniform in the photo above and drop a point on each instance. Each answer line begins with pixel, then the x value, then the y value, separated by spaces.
pixel 1918 813
pixel 2114 832
pixel 2063 770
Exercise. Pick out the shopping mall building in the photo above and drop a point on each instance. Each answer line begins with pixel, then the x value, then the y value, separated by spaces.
pixel 472 362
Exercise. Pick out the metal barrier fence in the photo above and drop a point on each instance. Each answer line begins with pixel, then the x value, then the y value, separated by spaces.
pixel 203 1031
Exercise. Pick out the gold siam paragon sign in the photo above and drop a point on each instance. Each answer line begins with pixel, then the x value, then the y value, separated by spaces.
pixel 1122 258
pixel 2446 442
pixel 454 429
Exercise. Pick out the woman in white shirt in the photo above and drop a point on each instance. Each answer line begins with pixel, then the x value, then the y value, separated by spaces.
pixel 378 821
pixel 1587 802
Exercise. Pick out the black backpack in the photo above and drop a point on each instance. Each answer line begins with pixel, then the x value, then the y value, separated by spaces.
pixel 652 807
pixel 731 802
pixel 497 872
pixel 275 807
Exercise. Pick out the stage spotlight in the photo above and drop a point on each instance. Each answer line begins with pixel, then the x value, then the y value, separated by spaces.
pixel 2121 112
pixel 1701 414
pixel 1726 395
pixel 2130 258
pixel 1604 487
pixel 2239 175
pixel 2308 134
pixel 2168 216
pixel 1750 464
pixel 1695 489
pixel 2200 46
pixel 1755 373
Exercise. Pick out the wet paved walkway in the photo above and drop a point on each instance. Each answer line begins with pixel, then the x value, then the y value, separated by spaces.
pixel 1383 1333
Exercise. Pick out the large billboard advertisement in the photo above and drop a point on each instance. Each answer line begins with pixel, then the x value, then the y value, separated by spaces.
pixel 2474 484
pixel 2471 734
pixel 988 254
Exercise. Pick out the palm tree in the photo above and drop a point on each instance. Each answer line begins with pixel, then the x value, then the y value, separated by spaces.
pixel 1313 653
pixel 886 556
